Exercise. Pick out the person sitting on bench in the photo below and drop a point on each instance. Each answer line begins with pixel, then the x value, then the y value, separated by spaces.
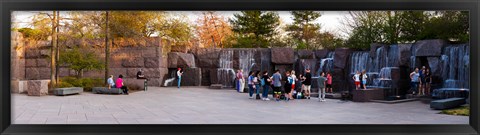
pixel 111 83
pixel 141 76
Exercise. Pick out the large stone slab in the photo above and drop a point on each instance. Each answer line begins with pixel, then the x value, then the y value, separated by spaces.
pixel 306 54
pixel 190 77
pixel 30 62
pixel 133 62
pixel 444 93
pixel 19 86
pixel 105 90
pixel 320 54
pixel 435 65
pixel 447 103
pixel 341 57
pixel 67 91
pixel 431 47
pixel 134 83
pixel 405 54
pixel 152 62
pixel 177 59
pixel 366 95
pixel 373 49
pixel 283 56
pixel 32 73
pixel 37 87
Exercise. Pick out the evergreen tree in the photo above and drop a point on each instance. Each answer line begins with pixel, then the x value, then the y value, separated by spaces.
pixel 303 29
pixel 254 28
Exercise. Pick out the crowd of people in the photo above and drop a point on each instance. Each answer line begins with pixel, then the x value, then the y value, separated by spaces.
pixel 261 81
pixel 421 81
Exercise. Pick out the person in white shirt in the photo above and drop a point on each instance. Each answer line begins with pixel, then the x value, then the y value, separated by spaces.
pixel 111 83
pixel 294 77
pixel 179 76
pixel 356 78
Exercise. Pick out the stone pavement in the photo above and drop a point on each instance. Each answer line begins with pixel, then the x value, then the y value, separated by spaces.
pixel 200 105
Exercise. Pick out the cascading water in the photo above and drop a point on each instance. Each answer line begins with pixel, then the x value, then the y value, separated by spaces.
pixel 379 68
pixel 226 74
pixel 359 62
pixel 326 64
pixel 455 62
pixel 246 61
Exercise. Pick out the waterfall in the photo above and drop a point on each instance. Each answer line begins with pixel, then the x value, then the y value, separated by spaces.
pixel 455 62
pixel 226 74
pixel 326 64
pixel 379 68
pixel 168 81
pixel 413 58
pixel 246 61
pixel 359 62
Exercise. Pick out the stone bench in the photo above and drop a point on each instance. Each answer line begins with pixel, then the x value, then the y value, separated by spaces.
pixel 37 87
pixel 365 95
pixel 67 91
pixel 105 90
pixel 19 86
pixel 447 103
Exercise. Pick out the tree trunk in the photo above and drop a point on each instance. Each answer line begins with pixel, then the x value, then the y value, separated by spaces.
pixel 53 50
pixel 57 76
pixel 80 73
pixel 107 48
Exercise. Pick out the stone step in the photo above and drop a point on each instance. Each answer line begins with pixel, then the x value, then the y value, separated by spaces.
pixel 447 103
pixel 216 86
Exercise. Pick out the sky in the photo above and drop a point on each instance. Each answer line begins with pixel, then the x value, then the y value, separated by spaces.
pixel 329 20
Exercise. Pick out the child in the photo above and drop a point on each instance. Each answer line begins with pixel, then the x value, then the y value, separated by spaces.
pixel 356 78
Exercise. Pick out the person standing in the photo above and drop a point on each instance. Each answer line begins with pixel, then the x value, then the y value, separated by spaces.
pixel 329 83
pixel 288 85
pixel 294 80
pixel 119 84
pixel 364 79
pixel 421 80
pixel 428 81
pixel 414 76
pixel 266 84
pixel 179 76
pixel 277 77
pixel 111 83
pixel 241 81
pixel 321 87
pixel 356 79
pixel 307 83
pixel 251 86
pixel 256 82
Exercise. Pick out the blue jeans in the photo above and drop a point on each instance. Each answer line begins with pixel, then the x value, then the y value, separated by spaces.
pixel 250 90
pixel 414 86
pixel 257 86
pixel 265 91
pixel 179 80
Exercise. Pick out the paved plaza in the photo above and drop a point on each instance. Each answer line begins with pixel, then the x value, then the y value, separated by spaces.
pixel 200 105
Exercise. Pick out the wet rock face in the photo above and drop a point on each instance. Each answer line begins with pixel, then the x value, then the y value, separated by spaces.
pixel 373 49
pixel 435 66
pixel 320 54
pixel 176 59
pixel 283 56
pixel 405 54
pixel 306 54
pixel 207 58
pixel 190 77
pixel 428 47
pixel 341 57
